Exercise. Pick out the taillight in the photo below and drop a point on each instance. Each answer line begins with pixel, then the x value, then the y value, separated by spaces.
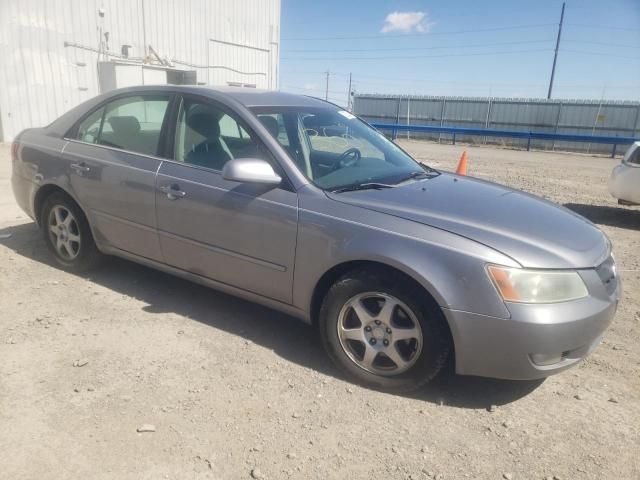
pixel 14 151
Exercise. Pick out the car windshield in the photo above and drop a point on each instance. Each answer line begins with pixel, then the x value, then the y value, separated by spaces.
pixel 336 150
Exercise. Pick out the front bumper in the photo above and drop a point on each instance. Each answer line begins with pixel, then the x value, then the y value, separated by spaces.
pixel 503 348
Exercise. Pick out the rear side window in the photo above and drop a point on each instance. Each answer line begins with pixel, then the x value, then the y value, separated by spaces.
pixel 130 123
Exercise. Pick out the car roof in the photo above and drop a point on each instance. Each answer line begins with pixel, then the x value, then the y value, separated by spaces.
pixel 249 97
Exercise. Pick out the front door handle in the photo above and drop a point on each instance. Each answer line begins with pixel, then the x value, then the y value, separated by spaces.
pixel 173 191
pixel 80 168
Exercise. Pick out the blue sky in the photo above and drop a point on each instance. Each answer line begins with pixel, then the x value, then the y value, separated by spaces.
pixel 465 48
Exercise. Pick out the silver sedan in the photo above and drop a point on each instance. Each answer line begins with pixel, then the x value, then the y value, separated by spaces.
pixel 294 203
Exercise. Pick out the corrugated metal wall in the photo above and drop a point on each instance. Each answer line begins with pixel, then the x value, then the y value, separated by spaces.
pixel 40 77
pixel 588 117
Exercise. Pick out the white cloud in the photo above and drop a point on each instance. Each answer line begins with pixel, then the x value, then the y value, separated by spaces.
pixel 406 22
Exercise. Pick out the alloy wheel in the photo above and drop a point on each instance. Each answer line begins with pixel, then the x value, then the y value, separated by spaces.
pixel 379 333
pixel 64 232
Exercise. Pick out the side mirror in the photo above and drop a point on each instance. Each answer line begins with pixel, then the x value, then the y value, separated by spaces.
pixel 250 170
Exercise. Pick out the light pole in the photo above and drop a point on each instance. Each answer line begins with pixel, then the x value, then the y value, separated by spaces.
pixel 555 55
pixel 326 88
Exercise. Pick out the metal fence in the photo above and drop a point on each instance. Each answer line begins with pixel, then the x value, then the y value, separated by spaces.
pixel 570 117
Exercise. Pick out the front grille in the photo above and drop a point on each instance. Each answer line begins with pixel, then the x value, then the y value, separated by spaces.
pixel 607 273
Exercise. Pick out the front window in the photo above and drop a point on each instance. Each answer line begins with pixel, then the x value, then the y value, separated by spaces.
pixel 336 150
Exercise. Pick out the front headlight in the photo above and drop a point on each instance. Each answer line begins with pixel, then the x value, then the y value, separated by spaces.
pixel 537 286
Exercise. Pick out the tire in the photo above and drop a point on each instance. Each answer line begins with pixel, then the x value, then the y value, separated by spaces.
pixel 61 218
pixel 347 338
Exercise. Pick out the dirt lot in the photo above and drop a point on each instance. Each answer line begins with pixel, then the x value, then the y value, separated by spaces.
pixel 231 387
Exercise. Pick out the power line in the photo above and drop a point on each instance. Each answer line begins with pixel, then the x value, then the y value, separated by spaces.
pixel 536 85
pixel 320 91
pixel 375 80
pixel 374 18
pixel 404 35
pixel 478 45
pixel 311 72
pixel 506 52
pixel 401 81
pixel 604 27
pixel 312 89
pixel 416 48
pixel 358 79
pixel 604 44
pixel 336 96
pixel 601 54
pixel 417 56
pixel 396 79
pixel 609 87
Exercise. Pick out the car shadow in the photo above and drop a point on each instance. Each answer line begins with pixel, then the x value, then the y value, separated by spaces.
pixel 288 337
pixel 620 217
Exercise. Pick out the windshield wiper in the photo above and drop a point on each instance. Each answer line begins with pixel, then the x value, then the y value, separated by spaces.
pixel 363 186
pixel 420 174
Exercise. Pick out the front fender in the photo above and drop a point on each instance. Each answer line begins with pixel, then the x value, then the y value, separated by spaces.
pixel 450 267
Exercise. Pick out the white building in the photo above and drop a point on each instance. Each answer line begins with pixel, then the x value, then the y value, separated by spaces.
pixel 51 51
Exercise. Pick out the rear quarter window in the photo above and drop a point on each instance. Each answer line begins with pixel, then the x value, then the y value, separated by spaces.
pixel 89 129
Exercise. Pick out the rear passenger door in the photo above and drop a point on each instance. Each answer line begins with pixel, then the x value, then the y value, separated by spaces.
pixel 114 154
pixel 239 234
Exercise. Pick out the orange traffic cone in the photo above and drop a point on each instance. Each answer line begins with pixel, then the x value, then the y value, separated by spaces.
pixel 462 165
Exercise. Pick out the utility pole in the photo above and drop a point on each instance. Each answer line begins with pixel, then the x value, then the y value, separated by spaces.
pixel 555 55
pixel 326 88
pixel 349 94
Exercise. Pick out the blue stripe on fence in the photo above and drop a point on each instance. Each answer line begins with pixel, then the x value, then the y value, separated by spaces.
pixel 395 127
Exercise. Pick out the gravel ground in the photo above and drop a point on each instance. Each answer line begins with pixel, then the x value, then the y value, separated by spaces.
pixel 131 373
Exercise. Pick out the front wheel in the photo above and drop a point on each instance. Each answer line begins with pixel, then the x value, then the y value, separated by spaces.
pixel 384 331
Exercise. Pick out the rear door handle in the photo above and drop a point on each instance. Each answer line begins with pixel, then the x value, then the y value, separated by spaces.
pixel 173 191
pixel 80 168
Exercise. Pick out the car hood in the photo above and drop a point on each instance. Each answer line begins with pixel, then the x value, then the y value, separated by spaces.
pixel 534 232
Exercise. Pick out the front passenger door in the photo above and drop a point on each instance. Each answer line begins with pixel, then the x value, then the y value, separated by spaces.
pixel 243 235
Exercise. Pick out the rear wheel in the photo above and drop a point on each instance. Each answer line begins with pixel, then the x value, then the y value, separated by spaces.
pixel 67 234
pixel 383 330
